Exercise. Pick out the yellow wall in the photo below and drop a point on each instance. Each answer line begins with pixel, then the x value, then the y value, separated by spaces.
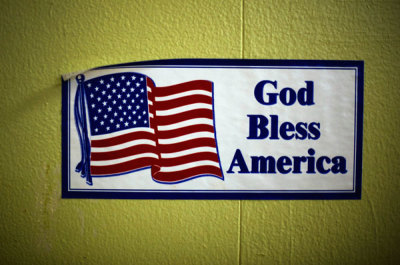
pixel 42 39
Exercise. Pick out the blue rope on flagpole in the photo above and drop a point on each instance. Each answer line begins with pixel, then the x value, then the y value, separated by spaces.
pixel 80 120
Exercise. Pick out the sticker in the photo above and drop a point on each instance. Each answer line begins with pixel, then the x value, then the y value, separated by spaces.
pixel 214 129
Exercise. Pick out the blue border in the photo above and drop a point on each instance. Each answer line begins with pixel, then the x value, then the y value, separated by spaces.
pixel 226 195
pixel 65 138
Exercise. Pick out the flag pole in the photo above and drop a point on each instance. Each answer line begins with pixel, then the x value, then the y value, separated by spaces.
pixel 82 128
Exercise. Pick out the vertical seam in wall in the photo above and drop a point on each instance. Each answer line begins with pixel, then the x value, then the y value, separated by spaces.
pixel 240 202
pixel 240 234
pixel 242 30
pixel 291 233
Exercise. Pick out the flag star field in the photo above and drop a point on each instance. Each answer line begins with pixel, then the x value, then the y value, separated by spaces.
pixel 117 102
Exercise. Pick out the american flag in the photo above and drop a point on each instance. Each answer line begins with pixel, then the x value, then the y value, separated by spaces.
pixel 136 125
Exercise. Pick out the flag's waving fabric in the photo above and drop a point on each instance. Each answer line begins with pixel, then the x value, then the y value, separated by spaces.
pixel 133 125
pixel 183 123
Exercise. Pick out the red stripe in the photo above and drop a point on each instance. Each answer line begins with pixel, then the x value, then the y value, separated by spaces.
pixel 188 173
pixel 153 125
pixel 150 83
pixel 176 161
pixel 179 88
pixel 122 167
pixel 133 150
pixel 179 102
pixel 187 115
pixel 177 147
pixel 185 130
pixel 123 139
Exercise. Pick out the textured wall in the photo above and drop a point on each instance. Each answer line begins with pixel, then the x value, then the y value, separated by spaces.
pixel 40 40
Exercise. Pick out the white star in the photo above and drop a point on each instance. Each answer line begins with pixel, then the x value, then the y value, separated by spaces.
pixel 95 118
pixel 99 110
pixel 109 96
pixel 144 112
pixel 108 85
pixel 117 125
pixel 124 101
pixel 118 84
pixel 121 119
pixel 102 123
pixel 123 77
pixel 108 128
pixel 128 95
pixel 112 79
pixel 114 102
pixel 98 99
pixel 96 130
pixel 137 95
pixel 124 89
pixel 103 92
pixel 124 112
pixel 104 103
pixel 133 77
pixel 105 116
pixel 133 101
pixel 128 83
pixel 141 79
pixel 129 118
pixel 114 90
pixel 141 101
pixel 89 85
pixel 109 109
pixel 101 81
pixel 145 121
pixel 137 107
pixel 129 107
pixel 141 90
pixel 132 89
pixel 93 105
pixel 119 96
pixel 134 112
pixel 137 84
pixel 120 107
pixel 96 88
pixel 115 114
pixel 91 95
pixel 134 122
pixel 112 120
pixel 126 124
pixel 139 117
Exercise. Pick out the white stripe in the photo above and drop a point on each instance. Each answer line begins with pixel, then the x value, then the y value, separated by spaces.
pixel 151 115
pixel 114 134
pixel 149 89
pixel 121 160
pixel 183 94
pixel 122 146
pixel 183 109
pixel 186 137
pixel 188 152
pixel 189 165
pixel 186 123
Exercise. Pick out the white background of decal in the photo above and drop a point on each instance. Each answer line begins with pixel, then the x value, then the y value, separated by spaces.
pixel 233 100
